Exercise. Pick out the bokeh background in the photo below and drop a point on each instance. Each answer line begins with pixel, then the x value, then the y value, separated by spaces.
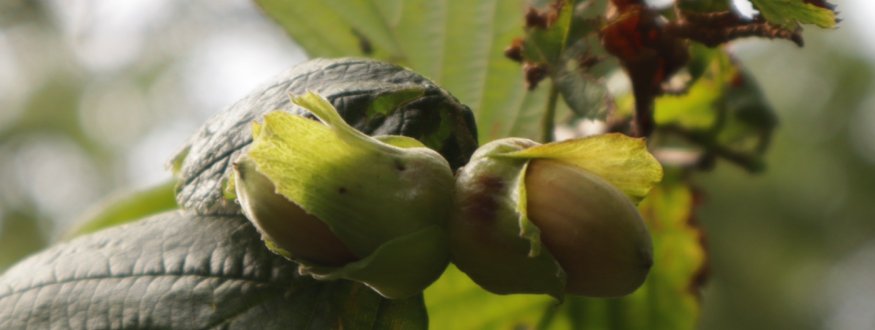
pixel 97 95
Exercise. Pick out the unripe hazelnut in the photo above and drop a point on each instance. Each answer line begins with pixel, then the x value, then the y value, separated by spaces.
pixel 291 229
pixel 592 229
pixel 344 205
pixel 533 219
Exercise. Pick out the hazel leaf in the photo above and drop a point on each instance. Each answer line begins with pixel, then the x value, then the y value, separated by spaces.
pixel 178 270
pixel 790 13
pixel 323 109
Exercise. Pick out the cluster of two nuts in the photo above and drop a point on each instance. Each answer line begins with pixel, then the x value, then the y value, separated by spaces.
pixel 388 212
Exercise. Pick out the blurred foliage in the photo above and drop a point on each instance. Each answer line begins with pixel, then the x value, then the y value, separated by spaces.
pixel 97 96
pixel 20 235
pixel 123 207
pixel 722 112
pixel 775 238
pixel 792 13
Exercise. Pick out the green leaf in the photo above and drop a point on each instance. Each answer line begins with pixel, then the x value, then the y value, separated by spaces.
pixel 562 47
pixel 320 29
pixel 124 207
pixel 456 302
pixel 545 45
pixel 723 113
pixel 695 109
pixel 383 105
pixel 584 92
pixel 457 43
pixel 180 271
pixel 621 160
pixel 790 13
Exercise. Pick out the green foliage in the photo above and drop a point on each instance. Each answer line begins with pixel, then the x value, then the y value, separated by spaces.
pixel 723 112
pixel 546 40
pixel 560 39
pixel 455 302
pixel 458 44
pixel 791 13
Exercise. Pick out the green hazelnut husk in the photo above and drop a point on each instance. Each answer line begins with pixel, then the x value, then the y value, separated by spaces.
pixel 552 219
pixel 292 231
pixel 344 205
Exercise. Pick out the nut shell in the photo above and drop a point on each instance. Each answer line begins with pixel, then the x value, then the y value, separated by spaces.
pixel 590 227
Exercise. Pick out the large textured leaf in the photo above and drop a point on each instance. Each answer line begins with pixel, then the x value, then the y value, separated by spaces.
pixel 185 272
pixel 457 43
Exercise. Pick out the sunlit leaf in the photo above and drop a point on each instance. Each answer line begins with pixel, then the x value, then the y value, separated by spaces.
pixel 457 43
pixel 455 302
pixel 789 13
pixel 723 113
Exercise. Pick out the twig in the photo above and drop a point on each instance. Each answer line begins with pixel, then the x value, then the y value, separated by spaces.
pixel 547 121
